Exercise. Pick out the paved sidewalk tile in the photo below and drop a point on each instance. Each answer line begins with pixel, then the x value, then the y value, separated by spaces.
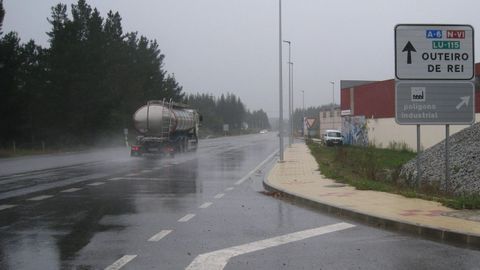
pixel 299 176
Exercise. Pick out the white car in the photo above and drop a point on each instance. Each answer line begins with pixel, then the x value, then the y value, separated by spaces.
pixel 263 131
pixel 332 137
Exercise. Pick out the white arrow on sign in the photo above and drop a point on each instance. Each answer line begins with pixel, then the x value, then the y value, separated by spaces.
pixel 465 101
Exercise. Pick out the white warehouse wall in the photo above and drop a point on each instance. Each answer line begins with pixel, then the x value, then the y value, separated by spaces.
pixel 382 131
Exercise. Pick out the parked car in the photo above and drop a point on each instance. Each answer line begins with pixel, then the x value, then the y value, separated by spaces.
pixel 332 137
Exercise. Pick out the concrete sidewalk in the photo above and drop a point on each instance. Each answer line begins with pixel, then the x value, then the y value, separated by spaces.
pixel 298 177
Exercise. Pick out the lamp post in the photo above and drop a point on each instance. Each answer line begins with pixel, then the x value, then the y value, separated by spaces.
pixel 280 86
pixel 303 110
pixel 333 104
pixel 289 92
pixel 292 108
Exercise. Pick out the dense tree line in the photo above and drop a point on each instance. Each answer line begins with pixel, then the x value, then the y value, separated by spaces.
pixel 257 120
pixel 90 80
pixel 227 109
pixel 85 85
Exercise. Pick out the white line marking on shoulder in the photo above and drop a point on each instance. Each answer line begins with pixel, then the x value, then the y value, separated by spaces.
pixel 217 260
pixel 239 182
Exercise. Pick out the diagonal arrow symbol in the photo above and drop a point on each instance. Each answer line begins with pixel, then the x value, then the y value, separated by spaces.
pixel 409 49
pixel 465 101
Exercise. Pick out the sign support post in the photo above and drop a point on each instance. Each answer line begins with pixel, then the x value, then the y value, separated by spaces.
pixel 447 171
pixel 417 184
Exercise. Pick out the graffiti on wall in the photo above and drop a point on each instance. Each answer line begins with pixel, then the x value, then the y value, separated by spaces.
pixel 355 130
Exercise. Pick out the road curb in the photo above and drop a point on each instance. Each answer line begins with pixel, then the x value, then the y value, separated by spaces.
pixel 436 234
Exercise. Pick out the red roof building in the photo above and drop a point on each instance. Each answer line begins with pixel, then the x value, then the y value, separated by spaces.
pixel 377 99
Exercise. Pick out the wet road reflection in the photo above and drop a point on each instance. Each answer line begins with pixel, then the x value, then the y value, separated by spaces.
pixel 98 212
pixel 78 223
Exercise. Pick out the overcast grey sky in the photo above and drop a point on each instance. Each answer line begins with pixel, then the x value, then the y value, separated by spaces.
pixel 219 46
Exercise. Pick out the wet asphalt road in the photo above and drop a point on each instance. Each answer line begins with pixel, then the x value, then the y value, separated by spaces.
pixel 105 210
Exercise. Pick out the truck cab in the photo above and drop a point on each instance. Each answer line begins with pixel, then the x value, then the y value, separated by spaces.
pixel 332 137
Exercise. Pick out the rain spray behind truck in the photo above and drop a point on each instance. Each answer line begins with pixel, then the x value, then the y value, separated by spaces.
pixel 166 128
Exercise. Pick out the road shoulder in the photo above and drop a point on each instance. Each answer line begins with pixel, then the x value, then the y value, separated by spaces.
pixel 298 178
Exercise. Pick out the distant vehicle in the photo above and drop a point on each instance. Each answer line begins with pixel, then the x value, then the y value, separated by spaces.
pixel 166 127
pixel 263 131
pixel 332 137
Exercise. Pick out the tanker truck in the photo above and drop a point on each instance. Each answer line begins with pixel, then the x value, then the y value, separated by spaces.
pixel 166 128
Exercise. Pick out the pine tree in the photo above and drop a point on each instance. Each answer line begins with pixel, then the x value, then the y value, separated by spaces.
pixel 2 15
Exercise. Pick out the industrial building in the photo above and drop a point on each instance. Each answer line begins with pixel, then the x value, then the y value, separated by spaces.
pixel 368 116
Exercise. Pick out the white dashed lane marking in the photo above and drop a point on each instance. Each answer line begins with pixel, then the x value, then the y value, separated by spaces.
pixel 186 218
pixel 6 206
pixel 205 205
pixel 39 198
pixel 157 237
pixel 121 262
pixel 96 184
pixel 137 178
pixel 219 195
pixel 229 189
pixel 70 190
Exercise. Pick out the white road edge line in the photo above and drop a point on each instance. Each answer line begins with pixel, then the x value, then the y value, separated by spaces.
pixel 157 237
pixel 239 182
pixel 219 195
pixel 205 205
pixel 6 206
pixel 217 260
pixel 39 198
pixel 121 262
pixel 186 218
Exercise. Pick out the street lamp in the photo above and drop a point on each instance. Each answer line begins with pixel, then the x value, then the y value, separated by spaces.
pixel 292 107
pixel 289 92
pixel 333 103
pixel 280 86
pixel 303 110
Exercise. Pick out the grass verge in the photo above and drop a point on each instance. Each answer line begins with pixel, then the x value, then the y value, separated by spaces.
pixel 370 168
